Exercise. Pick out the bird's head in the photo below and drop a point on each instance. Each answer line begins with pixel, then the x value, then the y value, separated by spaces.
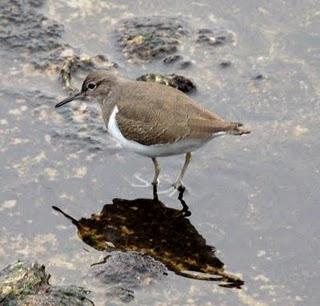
pixel 97 84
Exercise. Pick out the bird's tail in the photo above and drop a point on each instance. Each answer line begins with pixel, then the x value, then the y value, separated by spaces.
pixel 237 128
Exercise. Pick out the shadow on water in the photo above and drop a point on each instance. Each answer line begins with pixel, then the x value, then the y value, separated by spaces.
pixel 149 227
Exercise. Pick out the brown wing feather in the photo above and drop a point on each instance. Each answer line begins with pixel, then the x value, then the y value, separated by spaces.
pixel 144 128
pixel 151 113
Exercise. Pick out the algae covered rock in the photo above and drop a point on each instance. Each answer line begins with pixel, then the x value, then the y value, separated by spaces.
pixel 26 29
pixel 24 283
pixel 177 81
pixel 147 38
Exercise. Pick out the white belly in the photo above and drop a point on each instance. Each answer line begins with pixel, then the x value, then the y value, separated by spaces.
pixel 179 147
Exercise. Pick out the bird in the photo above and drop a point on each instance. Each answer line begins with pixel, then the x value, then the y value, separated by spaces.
pixel 152 119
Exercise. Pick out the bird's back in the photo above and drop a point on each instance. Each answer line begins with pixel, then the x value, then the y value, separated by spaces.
pixel 165 98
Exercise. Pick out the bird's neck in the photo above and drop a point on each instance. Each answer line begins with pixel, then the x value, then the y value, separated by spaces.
pixel 106 106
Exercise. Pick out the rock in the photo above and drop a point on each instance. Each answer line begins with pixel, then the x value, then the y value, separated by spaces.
pixel 258 76
pixel 177 81
pixel 35 36
pixel 86 64
pixel 38 39
pixel 172 59
pixel 185 64
pixel 143 39
pixel 225 64
pixel 24 283
pixel 123 273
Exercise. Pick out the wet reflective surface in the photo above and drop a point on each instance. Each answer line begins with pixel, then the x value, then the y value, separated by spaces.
pixel 149 227
pixel 255 198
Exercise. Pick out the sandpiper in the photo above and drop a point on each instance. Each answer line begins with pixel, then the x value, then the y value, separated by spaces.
pixel 153 120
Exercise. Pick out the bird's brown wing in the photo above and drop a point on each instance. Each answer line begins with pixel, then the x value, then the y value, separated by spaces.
pixel 153 125
pixel 150 113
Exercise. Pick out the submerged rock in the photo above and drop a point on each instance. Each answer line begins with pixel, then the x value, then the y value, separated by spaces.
pixel 217 37
pixel 30 35
pixel 27 30
pixel 258 76
pixel 75 63
pixel 149 38
pixel 177 81
pixel 177 59
pixel 144 39
pixel 125 272
pixel 23 283
pixel 225 64
pixel 172 59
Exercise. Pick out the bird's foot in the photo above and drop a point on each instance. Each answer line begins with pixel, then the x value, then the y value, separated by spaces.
pixel 168 191
pixel 178 186
pixel 155 182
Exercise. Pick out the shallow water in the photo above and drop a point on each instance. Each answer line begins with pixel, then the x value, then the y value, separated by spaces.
pixel 254 198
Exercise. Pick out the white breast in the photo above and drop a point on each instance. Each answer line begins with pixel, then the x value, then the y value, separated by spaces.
pixel 179 147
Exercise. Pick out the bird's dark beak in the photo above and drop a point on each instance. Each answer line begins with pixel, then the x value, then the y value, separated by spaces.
pixel 77 96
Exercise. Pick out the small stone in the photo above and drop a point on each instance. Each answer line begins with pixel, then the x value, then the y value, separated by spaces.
pixel 258 77
pixel 172 59
pixel 80 172
pixel 300 130
pixel 225 64
pixel 215 37
pixel 182 83
pixel 8 204
pixel 185 64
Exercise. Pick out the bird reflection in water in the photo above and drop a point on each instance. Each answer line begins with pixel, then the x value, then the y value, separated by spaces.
pixel 149 227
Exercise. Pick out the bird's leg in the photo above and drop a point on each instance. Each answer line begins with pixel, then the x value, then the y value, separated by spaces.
pixel 156 171
pixel 155 178
pixel 178 184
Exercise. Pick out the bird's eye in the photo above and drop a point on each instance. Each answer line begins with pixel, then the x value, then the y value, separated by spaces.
pixel 91 86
